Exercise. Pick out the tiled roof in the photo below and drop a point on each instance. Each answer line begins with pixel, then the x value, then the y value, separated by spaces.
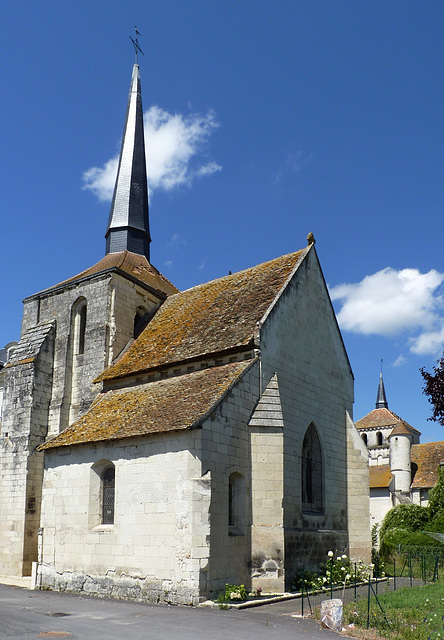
pixel 172 404
pixel 382 418
pixel 213 318
pixel 428 457
pixel 133 264
pixel 400 428
pixel 380 476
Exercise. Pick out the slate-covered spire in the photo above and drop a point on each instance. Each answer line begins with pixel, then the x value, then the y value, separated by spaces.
pixel 128 224
pixel 381 399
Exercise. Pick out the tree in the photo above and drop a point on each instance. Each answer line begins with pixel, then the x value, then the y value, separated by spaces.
pixel 434 390
pixel 436 497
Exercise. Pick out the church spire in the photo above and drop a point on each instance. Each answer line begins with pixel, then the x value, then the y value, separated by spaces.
pixel 381 399
pixel 128 224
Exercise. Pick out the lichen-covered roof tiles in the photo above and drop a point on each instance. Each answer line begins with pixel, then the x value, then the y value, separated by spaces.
pixel 382 418
pixel 213 318
pixel 427 457
pixel 380 476
pixel 133 264
pixel 172 404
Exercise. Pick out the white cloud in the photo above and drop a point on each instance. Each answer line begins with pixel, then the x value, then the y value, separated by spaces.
pixel 101 180
pixel 392 302
pixel 294 162
pixel 172 143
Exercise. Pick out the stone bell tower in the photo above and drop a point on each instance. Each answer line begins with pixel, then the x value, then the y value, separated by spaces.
pixel 70 333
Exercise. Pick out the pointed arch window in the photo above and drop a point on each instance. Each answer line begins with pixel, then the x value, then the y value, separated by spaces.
pixel 312 473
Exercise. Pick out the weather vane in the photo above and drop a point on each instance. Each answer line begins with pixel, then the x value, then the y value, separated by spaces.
pixel 135 42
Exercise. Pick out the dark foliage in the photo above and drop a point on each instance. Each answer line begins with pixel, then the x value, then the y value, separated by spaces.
pixel 434 390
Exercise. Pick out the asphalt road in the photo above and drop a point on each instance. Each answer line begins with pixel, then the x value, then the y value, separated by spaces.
pixel 37 614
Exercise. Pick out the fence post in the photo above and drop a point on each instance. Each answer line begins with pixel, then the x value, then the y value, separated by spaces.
pixel 355 582
pixel 377 572
pixel 368 603
pixel 302 592
pixel 331 578
pixel 394 574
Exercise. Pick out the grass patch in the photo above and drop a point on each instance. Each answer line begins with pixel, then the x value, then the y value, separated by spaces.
pixel 414 613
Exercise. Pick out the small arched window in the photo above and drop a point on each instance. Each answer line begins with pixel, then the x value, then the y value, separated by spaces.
pixel 365 439
pixel 108 494
pixel 378 438
pixel 312 490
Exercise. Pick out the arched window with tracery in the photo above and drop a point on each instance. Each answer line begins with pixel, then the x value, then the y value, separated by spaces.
pixel 312 474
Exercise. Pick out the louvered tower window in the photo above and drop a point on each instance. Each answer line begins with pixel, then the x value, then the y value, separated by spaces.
pixel 108 486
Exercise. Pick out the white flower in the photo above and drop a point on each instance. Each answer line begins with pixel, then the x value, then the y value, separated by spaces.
pixel 330 554
pixel 344 557
pixel 338 558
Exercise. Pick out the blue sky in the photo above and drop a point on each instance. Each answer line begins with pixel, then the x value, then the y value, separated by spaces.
pixel 265 120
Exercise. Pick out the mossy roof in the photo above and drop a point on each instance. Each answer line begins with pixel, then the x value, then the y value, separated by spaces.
pixel 133 264
pixel 380 476
pixel 213 318
pixel 427 457
pixel 171 404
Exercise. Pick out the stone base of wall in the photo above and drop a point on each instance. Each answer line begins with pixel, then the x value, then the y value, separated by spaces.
pixel 307 548
pixel 122 587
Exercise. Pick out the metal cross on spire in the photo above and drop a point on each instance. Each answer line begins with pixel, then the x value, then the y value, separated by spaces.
pixel 135 42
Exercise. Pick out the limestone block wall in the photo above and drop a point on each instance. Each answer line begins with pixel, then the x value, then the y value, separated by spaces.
pixel 267 492
pixel 112 301
pixel 301 343
pixel 25 423
pixel 358 507
pixel 125 298
pixel 158 547
pixel 226 451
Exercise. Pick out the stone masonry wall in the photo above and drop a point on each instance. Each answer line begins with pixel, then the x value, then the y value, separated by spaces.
pixel 24 427
pixel 112 301
pixel 358 495
pixel 226 451
pixel 157 549
pixel 300 342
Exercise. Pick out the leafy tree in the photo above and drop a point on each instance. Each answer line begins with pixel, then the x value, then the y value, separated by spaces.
pixel 434 390
pixel 410 517
pixel 436 498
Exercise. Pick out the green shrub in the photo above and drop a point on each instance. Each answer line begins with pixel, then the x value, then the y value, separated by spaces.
pixel 232 593
pixel 410 517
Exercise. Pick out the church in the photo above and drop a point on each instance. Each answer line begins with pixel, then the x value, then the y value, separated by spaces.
pixel 402 470
pixel 158 444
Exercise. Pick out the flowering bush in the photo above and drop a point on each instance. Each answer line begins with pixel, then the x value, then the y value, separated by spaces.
pixel 335 571
pixel 233 593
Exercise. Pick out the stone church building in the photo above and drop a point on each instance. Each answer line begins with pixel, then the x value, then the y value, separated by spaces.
pixel 402 470
pixel 157 444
